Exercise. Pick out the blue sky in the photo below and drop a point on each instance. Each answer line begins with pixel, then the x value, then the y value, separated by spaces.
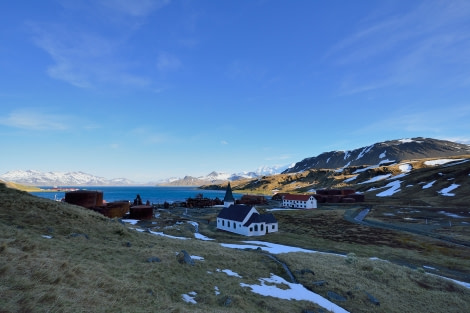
pixel 153 89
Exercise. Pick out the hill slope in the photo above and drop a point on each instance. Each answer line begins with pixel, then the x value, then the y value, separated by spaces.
pixel 64 258
pixel 422 182
pixel 393 151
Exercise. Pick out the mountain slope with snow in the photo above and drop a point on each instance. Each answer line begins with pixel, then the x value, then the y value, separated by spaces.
pixel 382 153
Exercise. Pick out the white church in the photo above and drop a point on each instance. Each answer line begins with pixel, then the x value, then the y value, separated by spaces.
pixel 244 219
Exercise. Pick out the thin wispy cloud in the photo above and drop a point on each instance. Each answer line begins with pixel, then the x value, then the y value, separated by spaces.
pixel 223 142
pixel 431 121
pixel 83 59
pixel 418 46
pixel 149 136
pixel 135 7
pixel 32 119
pixel 279 157
pixel 168 62
pixel 86 58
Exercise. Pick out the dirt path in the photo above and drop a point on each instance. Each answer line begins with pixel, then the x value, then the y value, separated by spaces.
pixel 360 218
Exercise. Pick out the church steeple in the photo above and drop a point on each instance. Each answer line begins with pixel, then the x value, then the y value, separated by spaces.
pixel 228 199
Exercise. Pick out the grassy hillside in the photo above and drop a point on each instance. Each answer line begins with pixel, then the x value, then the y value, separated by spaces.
pixel 56 257
pixel 20 187
pixel 411 183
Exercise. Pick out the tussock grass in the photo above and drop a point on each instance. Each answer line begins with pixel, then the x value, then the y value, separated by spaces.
pixel 399 289
pixel 96 264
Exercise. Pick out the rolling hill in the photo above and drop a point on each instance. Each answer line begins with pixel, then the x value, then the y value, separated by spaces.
pixel 424 171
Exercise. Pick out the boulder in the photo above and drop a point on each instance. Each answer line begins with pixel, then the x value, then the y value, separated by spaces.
pixel 184 258
pixel 153 259
pixel 334 296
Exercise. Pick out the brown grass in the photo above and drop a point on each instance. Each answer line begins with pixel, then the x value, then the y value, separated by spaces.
pixel 96 264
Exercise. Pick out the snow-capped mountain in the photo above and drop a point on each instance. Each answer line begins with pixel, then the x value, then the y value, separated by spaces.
pixel 37 178
pixel 220 177
pixel 384 153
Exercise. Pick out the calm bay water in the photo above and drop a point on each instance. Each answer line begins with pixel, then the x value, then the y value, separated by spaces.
pixel 151 193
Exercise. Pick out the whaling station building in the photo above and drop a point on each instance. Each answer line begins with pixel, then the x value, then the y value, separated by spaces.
pixel 299 201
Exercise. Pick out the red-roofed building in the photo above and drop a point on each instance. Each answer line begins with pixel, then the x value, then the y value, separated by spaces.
pixel 299 201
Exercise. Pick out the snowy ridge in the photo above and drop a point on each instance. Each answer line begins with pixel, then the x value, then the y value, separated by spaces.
pixel 37 178
pixel 383 153
pixel 220 177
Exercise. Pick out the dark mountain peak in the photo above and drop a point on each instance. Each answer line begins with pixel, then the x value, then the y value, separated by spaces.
pixel 383 153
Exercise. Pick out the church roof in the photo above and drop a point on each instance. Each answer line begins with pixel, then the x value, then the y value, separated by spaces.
pixel 260 218
pixel 235 212
pixel 228 194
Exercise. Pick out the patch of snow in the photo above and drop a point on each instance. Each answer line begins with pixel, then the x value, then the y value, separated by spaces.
pixel 440 161
pixel 393 186
pixel 229 273
pixel 294 292
pixel 195 224
pixel 398 176
pixel 405 167
pixel 346 154
pixel 382 155
pixel 340 170
pixel 273 248
pixel 202 237
pixel 364 169
pixel 451 214
pixel 429 185
pixel 160 234
pixel 456 163
pixel 328 160
pixel 377 178
pixel 461 283
pixel 216 290
pixel 429 267
pixel 132 222
pixel 189 297
pixel 350 179
pixel 46 236
pixel 385 161
pixel 195 257
pixel 405 140
pixel 364 151
pixel 282 209
pixel 445 191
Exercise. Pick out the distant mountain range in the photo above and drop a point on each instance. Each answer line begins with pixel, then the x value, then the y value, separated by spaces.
pixel 37 178
pixel 219 178
pixel 378 154
pixel 383 153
